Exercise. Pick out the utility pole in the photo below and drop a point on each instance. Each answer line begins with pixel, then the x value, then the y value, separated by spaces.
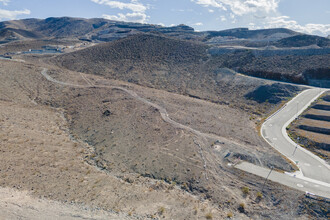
pixel 296 147
pixel 297 108
pixel 271 169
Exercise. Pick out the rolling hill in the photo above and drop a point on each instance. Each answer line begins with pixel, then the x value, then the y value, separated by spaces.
pixel 170 64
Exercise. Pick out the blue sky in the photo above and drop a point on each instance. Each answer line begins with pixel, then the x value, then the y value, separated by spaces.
pixel 308 16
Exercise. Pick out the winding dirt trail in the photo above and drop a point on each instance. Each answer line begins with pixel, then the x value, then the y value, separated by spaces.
pixel 161 109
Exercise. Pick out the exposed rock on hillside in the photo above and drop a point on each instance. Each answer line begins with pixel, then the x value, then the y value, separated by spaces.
pixel 272 93
pixel 303 40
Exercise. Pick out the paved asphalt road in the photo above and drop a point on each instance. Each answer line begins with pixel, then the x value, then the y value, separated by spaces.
pixel 288 180
pixel 274 131
pixel 314 174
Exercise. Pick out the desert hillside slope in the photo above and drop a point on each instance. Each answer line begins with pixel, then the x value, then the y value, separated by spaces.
pixel 173 65
pixel 140 121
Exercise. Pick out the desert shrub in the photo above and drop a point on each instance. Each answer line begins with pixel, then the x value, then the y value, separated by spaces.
pixel 241 207
pixel 245 190
pixel 161 210
pixel 259 195
pixel 209 216
pixel 195 210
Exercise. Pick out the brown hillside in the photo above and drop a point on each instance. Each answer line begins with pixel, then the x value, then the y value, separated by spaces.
pixel 141 48
pixel 173 65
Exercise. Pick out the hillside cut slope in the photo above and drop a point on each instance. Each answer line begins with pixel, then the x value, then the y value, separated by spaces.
pixel 312 129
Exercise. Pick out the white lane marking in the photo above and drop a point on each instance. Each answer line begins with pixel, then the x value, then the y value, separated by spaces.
pixel 320 166
pixel 306 183
pixel 284 133
pixel 275 139
pixel 270 125
pixel 307 164
pixel 300 185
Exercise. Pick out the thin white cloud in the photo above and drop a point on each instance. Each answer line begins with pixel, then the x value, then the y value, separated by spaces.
pixel 138 13
pixel 6 14
pixel 241 7
pixel 286 22
pixel 198 24
pixel 212 3
pixel 134 6
pixel 5 2
pixel 129 17
pixel 177 10
pixel 262 13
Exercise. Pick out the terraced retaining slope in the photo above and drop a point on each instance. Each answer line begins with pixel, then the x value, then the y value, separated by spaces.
pixel 313 128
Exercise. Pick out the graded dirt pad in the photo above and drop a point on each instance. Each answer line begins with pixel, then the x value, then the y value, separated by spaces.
pixel 20 46
pixel 313 126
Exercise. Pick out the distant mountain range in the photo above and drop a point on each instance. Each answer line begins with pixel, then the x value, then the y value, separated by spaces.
pixel 278 54
pixel 103 30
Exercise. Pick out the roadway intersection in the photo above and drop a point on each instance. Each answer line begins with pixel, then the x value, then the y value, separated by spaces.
pixel 314 173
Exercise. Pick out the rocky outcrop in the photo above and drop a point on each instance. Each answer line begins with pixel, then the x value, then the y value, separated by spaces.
pixel 271 93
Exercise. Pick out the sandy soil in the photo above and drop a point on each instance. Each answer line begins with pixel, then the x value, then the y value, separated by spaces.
pixel 47 163
pixel 20 205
